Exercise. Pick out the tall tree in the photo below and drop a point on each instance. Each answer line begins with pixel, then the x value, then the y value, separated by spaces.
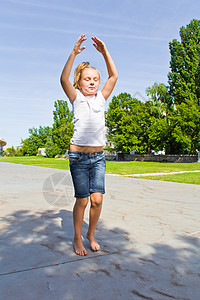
pixel 159 108
pixel 127 121
pixel 62 127
pixel 184 81
pixel 184 128
pixel 184 78
pixel 160 98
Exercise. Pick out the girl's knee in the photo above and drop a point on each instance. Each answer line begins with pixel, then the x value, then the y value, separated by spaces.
pixel 82 201
pixel 96 199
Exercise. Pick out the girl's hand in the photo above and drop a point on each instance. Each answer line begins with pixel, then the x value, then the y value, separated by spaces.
pixel 77 46
pixel 99 45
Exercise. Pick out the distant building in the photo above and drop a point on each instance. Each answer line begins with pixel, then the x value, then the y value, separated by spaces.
pixel 109 152
pixel 2 144
pixel 41 151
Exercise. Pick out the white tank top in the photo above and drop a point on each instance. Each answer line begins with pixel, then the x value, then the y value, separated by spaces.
pixel 89 120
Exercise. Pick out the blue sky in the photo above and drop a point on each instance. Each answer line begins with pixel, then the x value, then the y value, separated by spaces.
pixel 37 36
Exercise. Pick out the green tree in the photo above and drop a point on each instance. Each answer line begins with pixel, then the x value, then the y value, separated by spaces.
pixel 160 98
pixel 158 134
pixel 37 139
pixel 29 147
pixel 51 149
pixel 184 128
pixel 127 121
pixel 176 115
pixel 10 151
pixel 62 127
pixel 184 81
pixel 184 78
pixel 159 108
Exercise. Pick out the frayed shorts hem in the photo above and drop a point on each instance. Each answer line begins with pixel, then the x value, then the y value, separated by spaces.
pixel 81 196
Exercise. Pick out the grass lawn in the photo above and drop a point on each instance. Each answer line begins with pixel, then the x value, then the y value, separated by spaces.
pixel 121 168
pixel 192 178
pixel 61 164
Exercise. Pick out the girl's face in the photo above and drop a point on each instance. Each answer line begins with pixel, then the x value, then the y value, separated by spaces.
pixel 89 82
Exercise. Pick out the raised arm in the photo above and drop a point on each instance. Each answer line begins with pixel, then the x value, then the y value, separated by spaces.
pixel 112 71
pixel 64 79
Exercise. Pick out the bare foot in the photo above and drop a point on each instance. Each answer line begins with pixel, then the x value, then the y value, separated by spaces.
pixel 79 248
pixel 93 243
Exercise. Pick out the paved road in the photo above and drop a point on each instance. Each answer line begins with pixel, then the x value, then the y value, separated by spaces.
pixel 149 233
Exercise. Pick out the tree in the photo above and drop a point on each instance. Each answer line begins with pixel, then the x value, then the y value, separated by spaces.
pixel 62 127
pixel 158 134
pixel 184 78
pixel 29 147
pixel 56 139
pixel 13 151
pixel 127 121
pixel 160 97
pixel 184 128
pixel 51 150
pixel 174 128
pixel 37 139
pixel 178 106
pixel 184 81
pixel 159 108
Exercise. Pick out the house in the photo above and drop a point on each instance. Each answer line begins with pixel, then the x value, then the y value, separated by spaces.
pixel 2 144
pixel 41 151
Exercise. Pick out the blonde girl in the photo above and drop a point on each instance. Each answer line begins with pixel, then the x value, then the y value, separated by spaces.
pixel 86 156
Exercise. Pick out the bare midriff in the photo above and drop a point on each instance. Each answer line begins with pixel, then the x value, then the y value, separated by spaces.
pixel 86 149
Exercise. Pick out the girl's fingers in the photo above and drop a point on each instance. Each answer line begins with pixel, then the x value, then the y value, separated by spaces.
pixel 83 40
pixel 99 45
pixel 96 40
pixel 80 40
pixel 81 49
pixel 81 36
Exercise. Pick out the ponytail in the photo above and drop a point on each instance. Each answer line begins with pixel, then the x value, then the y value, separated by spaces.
pixel 78 72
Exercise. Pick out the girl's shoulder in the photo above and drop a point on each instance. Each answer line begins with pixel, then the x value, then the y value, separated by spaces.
pixel 78 96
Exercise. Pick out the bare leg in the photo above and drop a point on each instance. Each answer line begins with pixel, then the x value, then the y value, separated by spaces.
pixel 95 211
pixel 78 216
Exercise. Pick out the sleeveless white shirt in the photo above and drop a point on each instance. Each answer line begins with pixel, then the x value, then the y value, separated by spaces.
pixel 89 120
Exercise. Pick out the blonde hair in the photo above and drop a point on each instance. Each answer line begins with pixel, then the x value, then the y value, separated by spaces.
pixel 78 72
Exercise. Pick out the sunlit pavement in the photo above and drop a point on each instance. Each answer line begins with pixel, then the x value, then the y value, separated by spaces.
pixel 149 232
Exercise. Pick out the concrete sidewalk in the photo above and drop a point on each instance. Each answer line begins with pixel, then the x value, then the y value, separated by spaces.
pixel 149 233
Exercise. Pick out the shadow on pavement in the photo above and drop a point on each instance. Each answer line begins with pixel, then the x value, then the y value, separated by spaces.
pixel 37 257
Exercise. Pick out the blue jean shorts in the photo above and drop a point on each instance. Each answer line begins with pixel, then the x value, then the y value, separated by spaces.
pixel 88 172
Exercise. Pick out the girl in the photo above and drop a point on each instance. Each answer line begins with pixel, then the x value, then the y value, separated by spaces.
pixel 86 157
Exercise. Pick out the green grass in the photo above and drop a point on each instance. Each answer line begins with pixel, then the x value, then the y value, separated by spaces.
pixel 191 178
pixel 121 168
pixel 54 163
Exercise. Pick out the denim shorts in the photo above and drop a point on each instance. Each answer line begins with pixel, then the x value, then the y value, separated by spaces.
pixel 88 172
